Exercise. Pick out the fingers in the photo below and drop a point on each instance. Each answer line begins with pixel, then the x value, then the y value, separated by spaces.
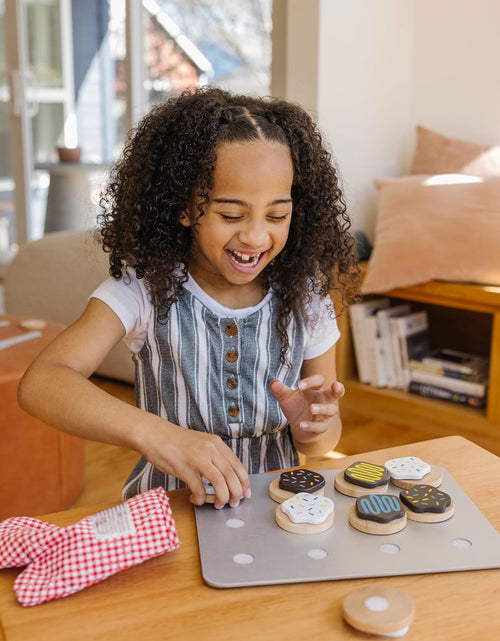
pixel 281 392
pixel 224 471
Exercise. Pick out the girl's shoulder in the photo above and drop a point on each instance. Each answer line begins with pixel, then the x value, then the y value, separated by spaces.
pixel 129 298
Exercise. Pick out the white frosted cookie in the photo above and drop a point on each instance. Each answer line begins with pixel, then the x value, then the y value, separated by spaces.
pixel 404 471
pixel 407 467
pixel 378 514
pixel 361 478
pixel 290 483
pixel 209 491
pixel 427 504
pixel 379 609
pixel 305 513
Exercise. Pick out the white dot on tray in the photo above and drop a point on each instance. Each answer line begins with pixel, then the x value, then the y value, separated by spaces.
pixel 389 548
pixel 461 544
pixel 377 604
pixel 243 559
pixel 235 523
pixel 317 554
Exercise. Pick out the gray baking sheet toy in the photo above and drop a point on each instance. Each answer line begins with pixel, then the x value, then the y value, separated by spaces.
pixel 244 546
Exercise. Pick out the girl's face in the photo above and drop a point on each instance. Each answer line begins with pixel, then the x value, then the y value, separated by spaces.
pixel 246 221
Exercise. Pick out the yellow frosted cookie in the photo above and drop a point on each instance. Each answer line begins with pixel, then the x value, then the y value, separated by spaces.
pixel 361 478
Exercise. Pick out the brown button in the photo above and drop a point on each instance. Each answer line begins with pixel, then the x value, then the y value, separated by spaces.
pixel 232 382
pixel 231 330
pixel 234 410
pixel 232 355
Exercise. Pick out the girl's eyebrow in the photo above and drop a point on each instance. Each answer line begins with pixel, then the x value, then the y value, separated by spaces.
pixel 242 203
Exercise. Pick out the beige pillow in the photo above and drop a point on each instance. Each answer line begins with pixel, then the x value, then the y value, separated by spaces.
pixel 438 154
pixel 443 227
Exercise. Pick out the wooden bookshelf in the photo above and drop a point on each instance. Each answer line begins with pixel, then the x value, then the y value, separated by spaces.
pixel 461 316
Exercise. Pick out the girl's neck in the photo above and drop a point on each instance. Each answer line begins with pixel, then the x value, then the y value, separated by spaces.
pixel 231 296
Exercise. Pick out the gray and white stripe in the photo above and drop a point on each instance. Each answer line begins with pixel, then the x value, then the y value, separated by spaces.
pixel 182 373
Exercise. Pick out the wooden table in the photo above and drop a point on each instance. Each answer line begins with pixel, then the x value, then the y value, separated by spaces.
pixel 166 598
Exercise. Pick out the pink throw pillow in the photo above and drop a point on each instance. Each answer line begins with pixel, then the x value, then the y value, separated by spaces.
pixel 443 227
pixel 438 154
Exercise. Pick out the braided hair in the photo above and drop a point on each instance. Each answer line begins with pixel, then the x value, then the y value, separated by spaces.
pixel 168 162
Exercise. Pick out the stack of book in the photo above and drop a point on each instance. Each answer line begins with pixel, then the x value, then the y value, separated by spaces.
pixel 385 338
pixel 450 375
pixel 391 346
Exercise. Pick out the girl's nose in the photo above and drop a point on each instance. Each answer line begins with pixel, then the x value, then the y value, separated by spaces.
pixel 254 234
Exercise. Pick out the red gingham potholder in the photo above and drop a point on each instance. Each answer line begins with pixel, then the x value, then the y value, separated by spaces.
pixel 24 539
pixel 100 545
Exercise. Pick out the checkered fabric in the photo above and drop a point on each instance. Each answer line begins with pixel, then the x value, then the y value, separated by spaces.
pixel 98 546
pixel 23 540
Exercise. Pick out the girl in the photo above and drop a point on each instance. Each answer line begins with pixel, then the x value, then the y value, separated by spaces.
pixel 226 230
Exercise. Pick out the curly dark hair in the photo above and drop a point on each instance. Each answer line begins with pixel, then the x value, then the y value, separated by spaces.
pixel 169 159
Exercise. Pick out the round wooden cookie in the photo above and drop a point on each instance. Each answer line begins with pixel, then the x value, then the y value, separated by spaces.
pixel 209 490
pixel 379 609
pixel 431 517
pixel 434 478
pixel 33 324
pixel 279 495
pixel 349 489
pixel 372 527
pixel 302 528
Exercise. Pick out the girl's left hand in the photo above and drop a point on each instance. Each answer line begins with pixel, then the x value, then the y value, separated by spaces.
pixel 311 408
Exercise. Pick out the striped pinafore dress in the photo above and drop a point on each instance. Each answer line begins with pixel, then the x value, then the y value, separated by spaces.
pixel 210 372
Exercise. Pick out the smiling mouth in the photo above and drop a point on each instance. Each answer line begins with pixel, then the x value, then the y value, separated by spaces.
pixel 245 260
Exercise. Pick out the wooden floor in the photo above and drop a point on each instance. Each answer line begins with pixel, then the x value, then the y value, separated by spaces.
pixel 107 467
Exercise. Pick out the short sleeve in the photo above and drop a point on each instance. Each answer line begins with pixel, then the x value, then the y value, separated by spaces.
pixel 323 328
pixel 130 301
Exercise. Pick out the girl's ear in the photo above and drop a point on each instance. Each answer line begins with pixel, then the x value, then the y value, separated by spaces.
pixel 184 219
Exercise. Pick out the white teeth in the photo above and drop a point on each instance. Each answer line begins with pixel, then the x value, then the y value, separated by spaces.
pixel 250 261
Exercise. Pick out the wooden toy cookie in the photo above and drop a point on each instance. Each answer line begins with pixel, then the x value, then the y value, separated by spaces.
pixel 406 470
pixel 379 609
pixel 209 491
pixel 378 514
pixel 295 481
pixel 362 478
pixel 305 513
pixel 427 504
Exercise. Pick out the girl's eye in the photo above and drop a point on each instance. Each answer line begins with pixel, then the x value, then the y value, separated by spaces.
pixel 278 219
pixel 227 217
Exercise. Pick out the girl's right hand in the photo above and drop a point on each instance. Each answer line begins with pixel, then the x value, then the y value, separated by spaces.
pixel 190 455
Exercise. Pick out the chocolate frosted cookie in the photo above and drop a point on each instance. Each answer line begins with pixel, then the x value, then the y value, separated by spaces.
pixel 378 514
pixel 427 504
pixel 301 481
pixel 295 481
pixel 362 478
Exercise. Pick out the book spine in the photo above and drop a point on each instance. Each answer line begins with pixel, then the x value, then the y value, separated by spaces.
pixel 433 391
pixel 442 370
pixel 453 384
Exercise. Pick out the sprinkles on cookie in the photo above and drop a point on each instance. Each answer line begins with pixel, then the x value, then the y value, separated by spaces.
pixel 301 481
pixel 425 498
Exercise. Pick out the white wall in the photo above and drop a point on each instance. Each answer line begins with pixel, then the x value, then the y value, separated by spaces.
pixel 383 67
pixel 364 95
pixel 457 68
